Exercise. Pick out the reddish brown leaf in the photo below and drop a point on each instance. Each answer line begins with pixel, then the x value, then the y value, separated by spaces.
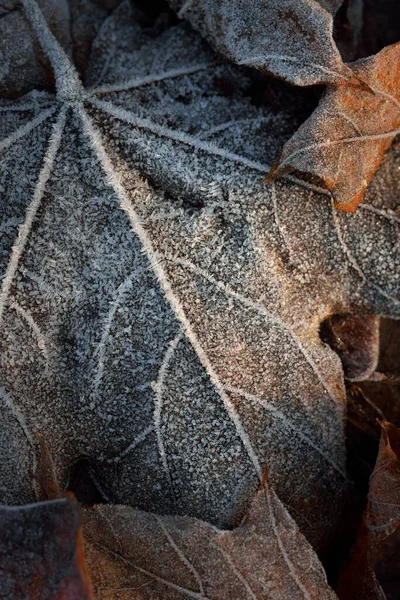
pixel 47 487
pixel 344 140
pixel 134 554
pixel 41 552
pixel 380 532
pixel 356 340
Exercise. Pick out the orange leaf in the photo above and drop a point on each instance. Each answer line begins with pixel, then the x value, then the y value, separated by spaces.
pixel 344 140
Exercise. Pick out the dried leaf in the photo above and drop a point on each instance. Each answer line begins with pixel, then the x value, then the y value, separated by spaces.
pixel 167 328
pixel 291 39
pixel 356 340
pixel 381 524
pixel 41 552
pixel 344 140
pixel 23 66
pixel 74 23
pixel 137 554
pixel 47 487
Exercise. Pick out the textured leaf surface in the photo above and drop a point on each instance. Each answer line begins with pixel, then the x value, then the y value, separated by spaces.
pixel 23 65
pixel 291 39
pixel 160 306
pixel 344 140
pixel 379 536
pixel 40 552
pixel 356 340
pixel 134 552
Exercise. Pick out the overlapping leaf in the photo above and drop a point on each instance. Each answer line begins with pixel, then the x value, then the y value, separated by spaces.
pixel 344 140
pixel 23 65
pixel 133 552
pixel 40 552
pixel 379 535
pixel 291 39
pixel 160 306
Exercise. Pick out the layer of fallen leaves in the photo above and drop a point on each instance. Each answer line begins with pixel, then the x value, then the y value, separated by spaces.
pixel 343 142
pixel 182 356
pixel 377 548
pixel 291 39
pixel 134 554
pixel 161 312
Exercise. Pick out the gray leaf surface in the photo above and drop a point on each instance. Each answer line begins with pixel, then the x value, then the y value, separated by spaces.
pixel 160 306
pixel 292 39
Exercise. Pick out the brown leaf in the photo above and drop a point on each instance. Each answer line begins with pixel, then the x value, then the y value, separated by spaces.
pixel 47 487
pixel 41 553
pixel 379 533
pixel 356 340
pixel 135 554
pixel 344 140
pixel 182 356
pixel 290 39
pixel 382 389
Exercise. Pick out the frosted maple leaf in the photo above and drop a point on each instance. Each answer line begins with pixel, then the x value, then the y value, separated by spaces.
pixel 160 306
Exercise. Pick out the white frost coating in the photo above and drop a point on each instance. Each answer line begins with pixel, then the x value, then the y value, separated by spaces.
pixel 174 586
pixel 382 213
pixel 179 136
pixel 179 552
pixel 137 82
pixel 352 260
pixel 25 129
pixel 349 140
pixel 232 123
pixel 231 233
pixel 288 424
pixel 25 229
pixel 17 414
pixel 259 61
pixel 291 39
pixel 126 205
pixel 185 7
pixel 282 233
pixel 138 439
pixel 158 388
pixel 101 348
pixel 262 311
pixel 289 563
pixel 68 84
pixel 235 570
pixel 26 315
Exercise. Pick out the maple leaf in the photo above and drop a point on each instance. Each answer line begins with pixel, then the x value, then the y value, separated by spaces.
pixel 344 140
pixel 381 524
pixel 130 551
pixel 160 307
pixel 73 22
pixel 291 39
pixel 21 53
pixel 41 552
